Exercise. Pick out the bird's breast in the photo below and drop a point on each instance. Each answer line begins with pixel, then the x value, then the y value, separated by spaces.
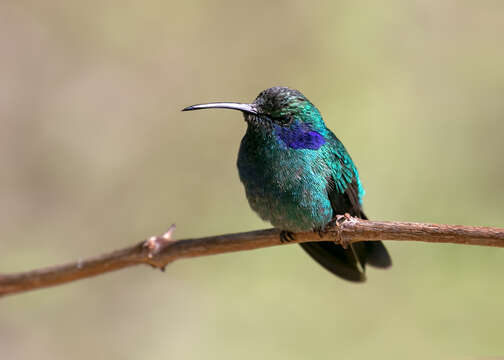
pixel 285 186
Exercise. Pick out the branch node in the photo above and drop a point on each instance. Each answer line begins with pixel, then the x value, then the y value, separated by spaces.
pixel 156 244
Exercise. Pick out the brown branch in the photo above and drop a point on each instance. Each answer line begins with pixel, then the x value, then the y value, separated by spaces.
pixel 159 251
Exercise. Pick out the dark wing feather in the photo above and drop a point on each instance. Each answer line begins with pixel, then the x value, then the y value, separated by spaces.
pixel 373 253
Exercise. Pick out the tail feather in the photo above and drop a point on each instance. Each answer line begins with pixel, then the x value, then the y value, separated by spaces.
pixel 348 263
pixel 341 262
pixel 377 254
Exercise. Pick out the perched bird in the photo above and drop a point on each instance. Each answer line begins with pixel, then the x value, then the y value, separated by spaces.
pixel 299 176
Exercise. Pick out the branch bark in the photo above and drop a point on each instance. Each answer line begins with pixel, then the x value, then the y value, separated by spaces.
pixel 159 251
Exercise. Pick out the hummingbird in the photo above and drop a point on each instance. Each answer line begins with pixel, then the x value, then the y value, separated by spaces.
pixel 298 176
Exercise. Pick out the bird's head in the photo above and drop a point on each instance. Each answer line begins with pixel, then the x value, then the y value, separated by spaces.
pixel 281 111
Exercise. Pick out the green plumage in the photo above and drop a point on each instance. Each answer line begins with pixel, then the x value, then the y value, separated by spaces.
pixel 288 187
pixel 299 176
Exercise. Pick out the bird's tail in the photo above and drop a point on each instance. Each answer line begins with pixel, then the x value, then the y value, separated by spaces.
pixel 349 263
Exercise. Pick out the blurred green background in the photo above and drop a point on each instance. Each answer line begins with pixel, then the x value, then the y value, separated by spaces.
pixel 96 155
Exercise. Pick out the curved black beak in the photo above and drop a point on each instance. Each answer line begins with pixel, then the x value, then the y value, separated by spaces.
pixel 247 108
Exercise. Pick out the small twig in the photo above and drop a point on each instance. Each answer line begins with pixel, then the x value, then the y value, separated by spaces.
pixel 159 251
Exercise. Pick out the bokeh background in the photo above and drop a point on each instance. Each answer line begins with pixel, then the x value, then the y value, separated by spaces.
pixel 96 155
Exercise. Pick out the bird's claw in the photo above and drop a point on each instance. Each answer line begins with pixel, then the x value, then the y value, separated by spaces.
pixel 321 231
pixel 340 219
pixel 337 223
pixel 286 236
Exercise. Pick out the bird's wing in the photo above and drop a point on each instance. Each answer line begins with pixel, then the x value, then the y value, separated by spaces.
pixel 343 185
pixel 344 192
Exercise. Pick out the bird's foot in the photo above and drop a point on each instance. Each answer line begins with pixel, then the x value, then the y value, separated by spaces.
pixel 337 223
pixel 322 230
pixel 286 236
pixel 340 219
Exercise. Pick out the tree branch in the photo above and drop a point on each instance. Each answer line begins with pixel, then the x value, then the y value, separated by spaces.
pixel 159 251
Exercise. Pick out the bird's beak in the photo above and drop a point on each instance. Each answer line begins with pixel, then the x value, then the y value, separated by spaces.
pixel 246 108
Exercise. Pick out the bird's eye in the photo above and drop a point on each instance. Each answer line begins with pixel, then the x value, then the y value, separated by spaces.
pixel 283 120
